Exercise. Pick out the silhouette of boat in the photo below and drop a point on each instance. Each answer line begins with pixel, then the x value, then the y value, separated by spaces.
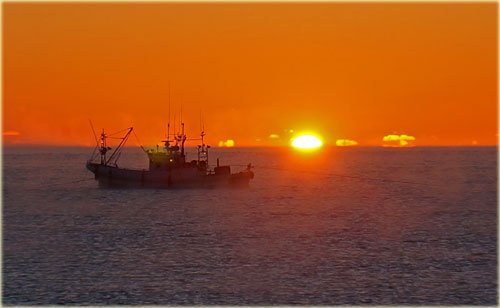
pixel 168 167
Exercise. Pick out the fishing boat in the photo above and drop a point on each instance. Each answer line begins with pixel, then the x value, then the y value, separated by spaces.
pixel 168 167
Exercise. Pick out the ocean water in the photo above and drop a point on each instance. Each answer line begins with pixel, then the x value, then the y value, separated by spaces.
pixel 348 226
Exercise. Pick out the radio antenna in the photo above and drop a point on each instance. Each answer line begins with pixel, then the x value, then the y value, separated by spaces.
pixel 174 125
pixel 168 125
pixel 202 122
pixel 181 108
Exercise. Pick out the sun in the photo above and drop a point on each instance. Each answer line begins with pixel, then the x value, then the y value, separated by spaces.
pixel 307 142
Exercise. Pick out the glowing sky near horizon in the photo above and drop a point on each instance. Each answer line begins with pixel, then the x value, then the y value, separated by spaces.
pixel 255 72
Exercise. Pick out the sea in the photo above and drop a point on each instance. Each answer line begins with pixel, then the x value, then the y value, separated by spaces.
pixel 341 226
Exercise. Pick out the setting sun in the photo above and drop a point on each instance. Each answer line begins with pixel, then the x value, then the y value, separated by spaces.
pixel 307 142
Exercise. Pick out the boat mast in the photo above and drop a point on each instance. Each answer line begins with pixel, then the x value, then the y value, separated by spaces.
pixel 203 151
pixel 167 142
pixel 103 148
pixel 175 133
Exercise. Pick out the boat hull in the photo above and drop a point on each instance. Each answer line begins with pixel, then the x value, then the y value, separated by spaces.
pixel 188 177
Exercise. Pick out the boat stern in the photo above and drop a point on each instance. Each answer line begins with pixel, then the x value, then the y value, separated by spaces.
pixel 241 178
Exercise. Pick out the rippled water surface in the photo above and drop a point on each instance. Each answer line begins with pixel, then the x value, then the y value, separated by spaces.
pixel 354 226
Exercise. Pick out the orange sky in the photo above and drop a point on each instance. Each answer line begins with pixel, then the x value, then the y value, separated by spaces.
pixel 345 71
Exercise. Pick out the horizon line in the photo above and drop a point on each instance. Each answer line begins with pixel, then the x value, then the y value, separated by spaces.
pixel 252 146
